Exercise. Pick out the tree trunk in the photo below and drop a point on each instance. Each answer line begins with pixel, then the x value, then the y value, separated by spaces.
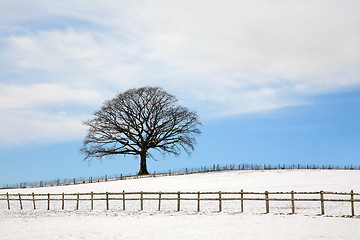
pixel 143 168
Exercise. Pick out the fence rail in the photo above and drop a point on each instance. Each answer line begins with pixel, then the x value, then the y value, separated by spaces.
pixel 48 200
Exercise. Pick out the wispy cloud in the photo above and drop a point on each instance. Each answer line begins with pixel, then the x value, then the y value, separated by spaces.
pixel 18 127
pixel 45 95
pixel 47 112
pixel 221 58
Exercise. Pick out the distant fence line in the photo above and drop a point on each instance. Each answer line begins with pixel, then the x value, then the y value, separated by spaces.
pixel 214 167
pixel 198 197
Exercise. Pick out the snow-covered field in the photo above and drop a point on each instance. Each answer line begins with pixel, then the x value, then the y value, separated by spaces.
pixel 187 224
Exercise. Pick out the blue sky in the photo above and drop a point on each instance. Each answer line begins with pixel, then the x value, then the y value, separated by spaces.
pixel 273 81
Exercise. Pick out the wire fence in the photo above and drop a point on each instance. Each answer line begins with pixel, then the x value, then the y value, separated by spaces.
pixel 312 203
pixel 182 171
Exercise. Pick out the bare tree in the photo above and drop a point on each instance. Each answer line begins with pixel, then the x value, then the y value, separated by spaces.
pixel 138 120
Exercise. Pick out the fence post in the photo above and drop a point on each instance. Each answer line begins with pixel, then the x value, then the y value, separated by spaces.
pixel 141 201
pixel 352 203
pixel 123 200
pixel 105 178
pixel 159 201
pixel 170 172
pixel 178 201
pixel 242 200
pixel 48 208
pixel 92 200
pixel 8 200
pixel 267 201
pixel 107 200
pixel 292 203
pixel 74 181
pixel 63 201
pixel 220 207
pixel 77 201
pixel 33 195
pixel 322 202
pixel 21 207
pixel 198 203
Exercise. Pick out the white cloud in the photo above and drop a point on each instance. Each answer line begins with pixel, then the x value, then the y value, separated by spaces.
pixel 291 42
pixel 46 95
pixel 29 113
pixel 75 58
pixel 219 57
pixel 17 127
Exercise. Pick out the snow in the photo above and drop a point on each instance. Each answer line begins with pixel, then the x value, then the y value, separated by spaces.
pixel 248 180
pixel 176 226
pixel 187 224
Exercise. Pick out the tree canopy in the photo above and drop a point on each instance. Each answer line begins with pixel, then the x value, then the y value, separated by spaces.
pixel 139 120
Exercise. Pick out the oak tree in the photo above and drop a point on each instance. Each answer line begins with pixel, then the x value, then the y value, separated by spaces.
pixel 137 121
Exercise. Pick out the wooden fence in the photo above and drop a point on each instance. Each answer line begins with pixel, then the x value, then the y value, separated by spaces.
pixel 158 198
